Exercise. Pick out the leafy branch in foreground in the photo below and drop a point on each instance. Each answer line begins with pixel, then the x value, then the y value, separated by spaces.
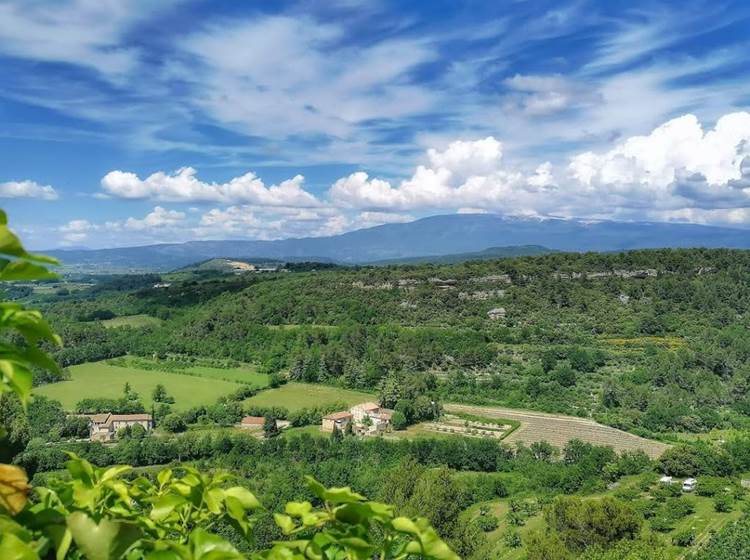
pixel 17 362
pixel 99 515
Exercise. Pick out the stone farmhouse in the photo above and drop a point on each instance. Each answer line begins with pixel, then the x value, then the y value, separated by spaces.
pixel 255 423
pixel 367 419
pixel 104 427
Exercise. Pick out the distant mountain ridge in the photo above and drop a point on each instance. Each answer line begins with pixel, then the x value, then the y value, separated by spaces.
pixel 435 235
pixel 486 254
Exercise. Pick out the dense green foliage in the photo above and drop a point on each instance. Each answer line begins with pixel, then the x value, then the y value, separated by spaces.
pixel 659 338
pixel 731 543
pixel 99 515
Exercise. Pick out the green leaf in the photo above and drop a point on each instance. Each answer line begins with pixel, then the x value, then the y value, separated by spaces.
pixel 13 548
pixel 285 523
pixel 213 499
pixel 62 539
pixel 206 546
pixel 164 477
pixel 106 540
pixel 25 270
pixel 333 495
pixel 80 469
pixel 18 378
pixel 115 471
pixel 298 509
pixel 11 245
pixel 165 505
pixel 246 498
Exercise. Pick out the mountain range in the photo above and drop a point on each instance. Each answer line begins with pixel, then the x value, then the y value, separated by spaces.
pixel 434 236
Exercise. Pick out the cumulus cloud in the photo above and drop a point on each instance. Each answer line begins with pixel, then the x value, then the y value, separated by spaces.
pixel 655 160
pixel 183 186
pixel 158 218
pixel 677 170
pixel 27 189
pixel 466 173
pixel 76 231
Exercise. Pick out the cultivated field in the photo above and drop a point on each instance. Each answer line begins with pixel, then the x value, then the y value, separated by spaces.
pixel 295 396
pixel 245 373
pixel 455 425
pixel 141 320
pixel 558 429
pixel 98 379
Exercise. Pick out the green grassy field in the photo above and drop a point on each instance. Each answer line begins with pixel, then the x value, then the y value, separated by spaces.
pixel 295 396
pixel 245 373
pixel 101 380
pixel 131 321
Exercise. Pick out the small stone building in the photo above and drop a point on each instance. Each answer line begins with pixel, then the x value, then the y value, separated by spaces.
pixel 338 420
pixel 104 426
pixel 252 423
pixel 366 419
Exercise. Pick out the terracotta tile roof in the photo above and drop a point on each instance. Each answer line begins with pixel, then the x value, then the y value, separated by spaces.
pixel 369 406
pixel 338 415
pixel 99 418
pixel 131 417
pixel 253 421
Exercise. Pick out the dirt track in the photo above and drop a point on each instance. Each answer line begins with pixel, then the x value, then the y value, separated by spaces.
pixel 558 429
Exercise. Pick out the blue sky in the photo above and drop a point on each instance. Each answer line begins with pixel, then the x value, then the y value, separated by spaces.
pixel 129 121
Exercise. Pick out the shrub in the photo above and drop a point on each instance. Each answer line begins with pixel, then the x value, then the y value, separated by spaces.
pixel 511 538
pixel 709 486
pixel 678 508
pixel 174 423
pixel 398 420
pixel 723 503
pixel 487 523
pixel 628 494
pixel 583 523
pixel 662 524
pixel 686 537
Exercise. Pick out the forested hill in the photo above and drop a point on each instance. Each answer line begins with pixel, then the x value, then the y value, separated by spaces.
pixel 436 235
pixel 649 341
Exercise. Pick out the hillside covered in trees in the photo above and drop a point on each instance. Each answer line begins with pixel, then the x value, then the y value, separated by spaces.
pixel 650 341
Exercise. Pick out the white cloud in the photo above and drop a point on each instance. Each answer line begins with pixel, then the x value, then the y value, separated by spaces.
pixel 81 32
pixel 76 231
pixel 286 76
pixel 369 219
pixel 27 189
pixel 158 218
pixel 538 95
pixel 184 186
pixel 677 171
pixel 466 173
pixel 654 160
